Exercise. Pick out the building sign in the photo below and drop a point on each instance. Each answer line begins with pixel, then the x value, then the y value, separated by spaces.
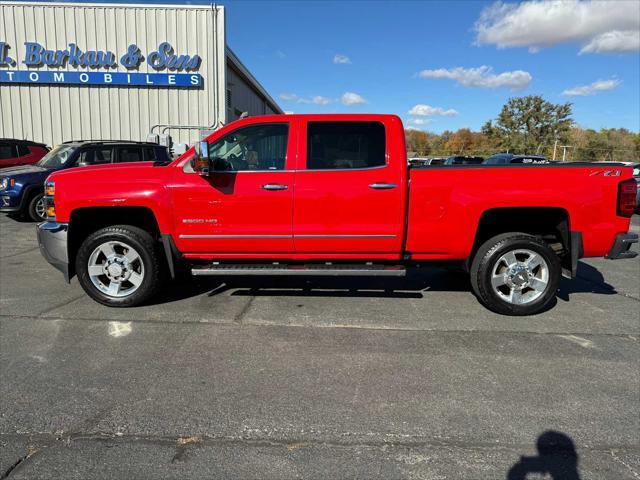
pixel 171 70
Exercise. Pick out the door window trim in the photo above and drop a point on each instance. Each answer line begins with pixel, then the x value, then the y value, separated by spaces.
pixel 259 124
pixel 304 132
pixel 291 148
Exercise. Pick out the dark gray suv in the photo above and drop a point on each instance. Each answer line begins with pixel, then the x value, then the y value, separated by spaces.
pixel 22 187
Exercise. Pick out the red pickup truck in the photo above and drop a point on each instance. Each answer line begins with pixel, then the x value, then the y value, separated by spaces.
pixel 332 195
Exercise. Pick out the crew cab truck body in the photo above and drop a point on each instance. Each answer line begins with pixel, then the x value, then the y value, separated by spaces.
pixel 332 195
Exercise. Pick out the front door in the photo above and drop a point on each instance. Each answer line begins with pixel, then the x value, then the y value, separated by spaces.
pixel 244 207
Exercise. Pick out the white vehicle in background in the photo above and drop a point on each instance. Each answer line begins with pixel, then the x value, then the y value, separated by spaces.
pixel 425 161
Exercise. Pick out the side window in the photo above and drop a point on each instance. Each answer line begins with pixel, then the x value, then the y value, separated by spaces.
pixel 129 154
pixel 95 156
pixel 7 150
pixel 23 150
pixel 149 154
pixel 256 147
pixel 345 145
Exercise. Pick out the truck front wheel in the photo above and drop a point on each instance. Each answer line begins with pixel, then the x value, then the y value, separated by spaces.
pixel 515 274
pixel 118 266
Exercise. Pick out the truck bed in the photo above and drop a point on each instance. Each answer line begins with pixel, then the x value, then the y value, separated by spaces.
pixel 446 203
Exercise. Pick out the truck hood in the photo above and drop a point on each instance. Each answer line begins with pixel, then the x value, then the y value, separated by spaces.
pixel 21 170
pixel 106 168
pixel 112 172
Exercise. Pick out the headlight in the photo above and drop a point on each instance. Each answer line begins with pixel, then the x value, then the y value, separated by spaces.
pixel 4 183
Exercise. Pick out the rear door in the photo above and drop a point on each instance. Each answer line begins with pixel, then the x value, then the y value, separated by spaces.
pixel 349 196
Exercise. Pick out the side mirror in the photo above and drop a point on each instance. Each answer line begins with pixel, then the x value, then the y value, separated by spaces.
pixel 201 162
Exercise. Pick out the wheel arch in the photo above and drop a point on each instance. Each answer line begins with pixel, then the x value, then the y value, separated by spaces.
pixel 552 224
pixel 86 220
pixel 28 192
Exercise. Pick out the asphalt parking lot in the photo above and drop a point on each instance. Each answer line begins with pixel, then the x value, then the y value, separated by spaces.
pixel 364 378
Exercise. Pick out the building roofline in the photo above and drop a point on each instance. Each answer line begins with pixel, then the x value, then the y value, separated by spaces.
pixel 115 5
pixel 244 71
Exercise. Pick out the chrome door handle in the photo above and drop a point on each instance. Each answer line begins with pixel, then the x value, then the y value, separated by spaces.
pixel 274 186
pixel 382 186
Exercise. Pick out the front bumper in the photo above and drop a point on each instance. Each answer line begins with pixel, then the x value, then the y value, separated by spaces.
pixel 622 245
pixel 52 239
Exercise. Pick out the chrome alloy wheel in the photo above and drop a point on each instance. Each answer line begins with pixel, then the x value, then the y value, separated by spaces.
pixel 520 276
pixel 116 269
pixel 41 209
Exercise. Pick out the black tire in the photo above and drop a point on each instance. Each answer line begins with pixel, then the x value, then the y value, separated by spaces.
pixel 486 259
pixel 131 236
pixel 32 209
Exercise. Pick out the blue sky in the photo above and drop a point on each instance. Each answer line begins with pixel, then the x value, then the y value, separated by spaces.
pixel 588 50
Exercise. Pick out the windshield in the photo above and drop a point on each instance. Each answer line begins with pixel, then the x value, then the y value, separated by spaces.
pixel 57 157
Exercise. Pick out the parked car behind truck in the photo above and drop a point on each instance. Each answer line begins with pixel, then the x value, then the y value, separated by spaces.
pixel 463 160
pixel 21 188
pixel 20 152
pixel 510 158
pixel 332 195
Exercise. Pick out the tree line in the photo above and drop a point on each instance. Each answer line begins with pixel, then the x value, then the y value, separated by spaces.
pixel 531 125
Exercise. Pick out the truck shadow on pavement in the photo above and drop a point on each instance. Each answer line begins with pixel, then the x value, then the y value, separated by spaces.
pixel 415 285
pixel 588 280
pixel 557 458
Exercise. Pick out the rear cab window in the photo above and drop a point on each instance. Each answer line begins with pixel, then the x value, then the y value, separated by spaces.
pixel 345 145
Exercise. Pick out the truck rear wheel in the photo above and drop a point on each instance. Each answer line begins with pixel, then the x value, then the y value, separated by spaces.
pixel 118 266
pixel 515 274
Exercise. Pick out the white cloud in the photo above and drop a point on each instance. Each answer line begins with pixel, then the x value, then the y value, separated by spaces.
pixel 419 121
pixel 320 100
pixel 281 54
pixel 601 26
pixel 288 97
pixel 350 98
pixel 339 58
pixel 317 100
pixel 614 42
pixel 592 89
pixel 429 111
pixel 481 77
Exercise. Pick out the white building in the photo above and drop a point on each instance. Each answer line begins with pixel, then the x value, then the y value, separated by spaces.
pixel 106 71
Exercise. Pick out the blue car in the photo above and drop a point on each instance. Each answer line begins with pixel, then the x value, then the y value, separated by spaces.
pixel 22 188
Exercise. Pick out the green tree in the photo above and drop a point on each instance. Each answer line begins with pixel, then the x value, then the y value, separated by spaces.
pixel 417 142
pixel 528 124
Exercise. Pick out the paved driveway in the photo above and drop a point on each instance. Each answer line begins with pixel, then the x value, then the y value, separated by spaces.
pixel 365 378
